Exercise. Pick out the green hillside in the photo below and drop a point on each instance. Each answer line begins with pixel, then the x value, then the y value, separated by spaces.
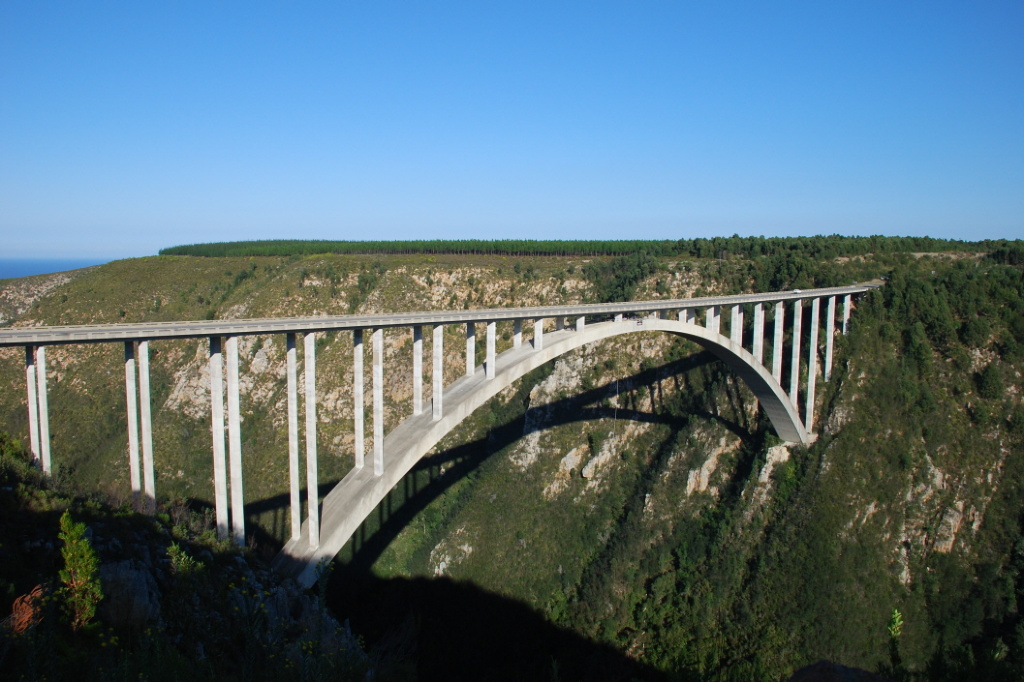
pixel 631 492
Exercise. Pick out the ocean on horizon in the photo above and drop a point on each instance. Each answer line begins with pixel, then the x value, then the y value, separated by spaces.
pixel 24 267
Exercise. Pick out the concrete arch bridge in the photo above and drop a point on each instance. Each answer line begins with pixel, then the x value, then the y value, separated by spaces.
pixel 332 521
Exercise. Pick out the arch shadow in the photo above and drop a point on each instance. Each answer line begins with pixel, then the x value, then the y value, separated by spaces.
pixel 434 474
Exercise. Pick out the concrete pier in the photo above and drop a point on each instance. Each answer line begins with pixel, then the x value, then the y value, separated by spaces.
pixel 42 394
pixel 470 348
pixel 794 370
pixel 312 474
pixel 235 446
pixel 778 326
pixel 538 334
pixel 713 318
pixel 846 314
pixel 378 401
pixel 131 400
pixel 220 478
pixel 38 405
pixel 736 325
pixel 437 376
pixel 294 487
pixel 358 399
pixel 830 332
pixel 417 370
pixel 491 343
pixel 146 424
pixel 759 333
pixel 517 333
pixel 812 364
pixel 31 384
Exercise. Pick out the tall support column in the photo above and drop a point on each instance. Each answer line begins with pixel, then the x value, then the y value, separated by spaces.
pixel 517 334
pixel 713 318
pixel 470 348
pixel 581 322
pixel 759 333
pixel 31 384
pixel 294 488
pixel 736 325
pixel 794 371
pixel 378 401
pixel 559 324
pixel 220 476
pixel 688 315
pixel 146 418
pixel 538 334
pixel 235 446
pixel 618 317
pixel 846 314
pixel 133 423
pixel 491 355
pixel 312 474
pixel 812 363
pixel 830 330
pixel 417 370
pixel 44 409
pixel 358 400
pixel 780 318
pixel 437 377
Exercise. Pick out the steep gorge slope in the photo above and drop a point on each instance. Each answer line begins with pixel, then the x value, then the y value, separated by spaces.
pixel 630 491
pixel 648 507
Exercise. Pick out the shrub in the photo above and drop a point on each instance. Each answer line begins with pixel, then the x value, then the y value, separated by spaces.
pixel 80 574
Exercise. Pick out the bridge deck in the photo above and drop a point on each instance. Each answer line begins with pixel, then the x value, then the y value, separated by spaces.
pixel 106 333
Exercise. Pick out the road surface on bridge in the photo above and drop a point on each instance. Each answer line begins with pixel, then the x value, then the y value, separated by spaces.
pixel 149 331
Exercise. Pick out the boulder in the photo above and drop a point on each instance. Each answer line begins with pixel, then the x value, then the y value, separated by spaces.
pixel 27 610
pixel 130 594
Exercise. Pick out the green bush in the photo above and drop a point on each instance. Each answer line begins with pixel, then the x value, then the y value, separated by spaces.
pixel 80 575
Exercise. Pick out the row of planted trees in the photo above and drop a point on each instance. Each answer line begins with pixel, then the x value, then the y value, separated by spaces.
pixel 816 247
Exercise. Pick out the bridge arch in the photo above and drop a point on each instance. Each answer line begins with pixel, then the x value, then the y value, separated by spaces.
pixel 355 497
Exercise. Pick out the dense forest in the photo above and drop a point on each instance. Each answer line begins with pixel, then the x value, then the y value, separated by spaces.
pixel 625 512
pixel 833 246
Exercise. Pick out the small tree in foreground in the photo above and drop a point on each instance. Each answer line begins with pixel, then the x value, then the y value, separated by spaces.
pixel 80 574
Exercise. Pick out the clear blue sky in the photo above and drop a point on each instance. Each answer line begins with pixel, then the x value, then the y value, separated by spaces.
pixel 129 126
